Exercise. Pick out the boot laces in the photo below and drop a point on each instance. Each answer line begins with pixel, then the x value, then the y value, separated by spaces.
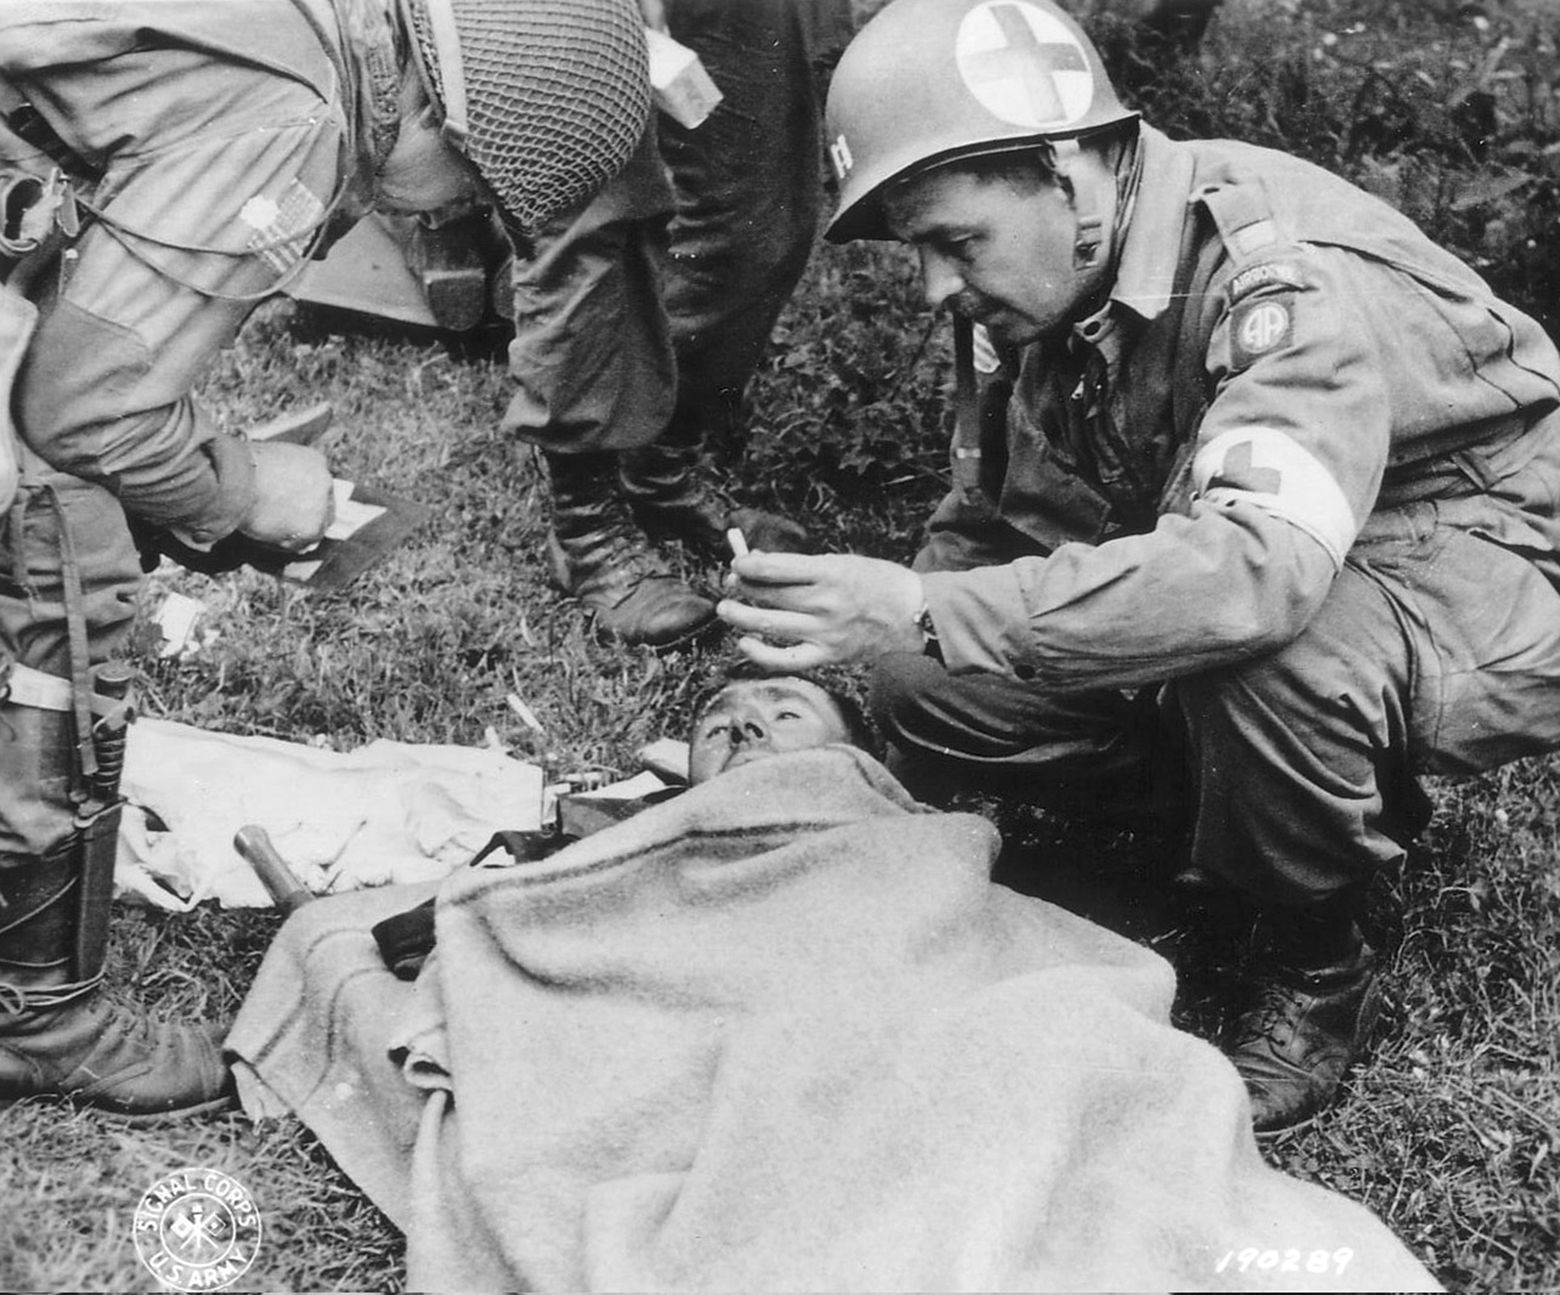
pixel 138 1028
pixel 1271 1019
pixel 17 1000
pixel 626 547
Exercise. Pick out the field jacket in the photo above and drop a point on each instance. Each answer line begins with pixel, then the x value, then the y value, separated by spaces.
pixel 1173 484
pixel 348 57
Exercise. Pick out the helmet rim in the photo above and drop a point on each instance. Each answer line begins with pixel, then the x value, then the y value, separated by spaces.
pixel 865 218
pixel 914 91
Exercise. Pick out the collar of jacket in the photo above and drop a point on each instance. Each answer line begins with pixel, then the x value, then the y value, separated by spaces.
pixel 1150 254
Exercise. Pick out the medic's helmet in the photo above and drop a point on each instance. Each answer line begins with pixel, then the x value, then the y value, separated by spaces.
pixel 929 81
pixel 557 94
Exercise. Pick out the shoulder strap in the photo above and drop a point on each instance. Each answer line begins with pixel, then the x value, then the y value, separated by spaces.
pixel 966 409
pixel 1242 216
pixel 18 318
pixel 452 71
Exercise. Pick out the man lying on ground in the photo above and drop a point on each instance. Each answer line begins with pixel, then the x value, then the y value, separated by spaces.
pixel 781 1031
pixel 742 720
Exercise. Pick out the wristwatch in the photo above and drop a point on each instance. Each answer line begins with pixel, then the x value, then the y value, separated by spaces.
pixel 930 644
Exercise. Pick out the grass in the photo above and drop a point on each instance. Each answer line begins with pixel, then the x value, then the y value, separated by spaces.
pixel 1451 1130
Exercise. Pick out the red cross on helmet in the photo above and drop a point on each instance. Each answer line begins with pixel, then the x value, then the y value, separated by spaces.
pixel 929 81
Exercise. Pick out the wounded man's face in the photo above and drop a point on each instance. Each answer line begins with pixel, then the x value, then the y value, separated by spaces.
pixel 754 718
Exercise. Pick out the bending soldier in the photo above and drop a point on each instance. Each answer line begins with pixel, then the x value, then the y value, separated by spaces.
pixel 167 164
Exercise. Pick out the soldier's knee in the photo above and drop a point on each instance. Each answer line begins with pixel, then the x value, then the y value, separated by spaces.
pixel 1290 679
pixel 1317 684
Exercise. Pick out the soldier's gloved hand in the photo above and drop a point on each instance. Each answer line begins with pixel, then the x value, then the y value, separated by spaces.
pixel 294 497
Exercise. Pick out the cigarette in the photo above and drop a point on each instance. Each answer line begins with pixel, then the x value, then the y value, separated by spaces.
pixel 738 542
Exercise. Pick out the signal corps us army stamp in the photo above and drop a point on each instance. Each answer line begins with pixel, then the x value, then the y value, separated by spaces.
pixel 197 1230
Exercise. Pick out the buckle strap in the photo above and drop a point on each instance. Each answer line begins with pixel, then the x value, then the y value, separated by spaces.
pixel 1241 213
pixel 967 464
pixel 452 72
pixel 21 685
pixel 80 681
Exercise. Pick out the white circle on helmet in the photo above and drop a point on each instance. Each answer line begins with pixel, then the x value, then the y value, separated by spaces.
pixel 1024 65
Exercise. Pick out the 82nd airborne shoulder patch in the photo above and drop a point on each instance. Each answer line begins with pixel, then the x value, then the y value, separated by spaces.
pixel 1266 322
pixel 1260 326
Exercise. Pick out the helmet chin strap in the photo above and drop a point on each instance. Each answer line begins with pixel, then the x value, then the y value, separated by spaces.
pixel 1089 240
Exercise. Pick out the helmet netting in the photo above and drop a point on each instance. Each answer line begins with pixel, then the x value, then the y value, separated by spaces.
pixel 557 95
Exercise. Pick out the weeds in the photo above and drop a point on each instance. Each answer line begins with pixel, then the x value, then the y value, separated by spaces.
pixel 1448 111
pixel 1451 1129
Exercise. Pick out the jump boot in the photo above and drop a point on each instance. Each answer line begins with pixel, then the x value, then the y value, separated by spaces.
pixel 1313 1001
pixel 673 499
pixel 601 557
pixel 59 1037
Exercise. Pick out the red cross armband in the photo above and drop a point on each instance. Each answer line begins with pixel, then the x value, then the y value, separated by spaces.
pixel 1272 471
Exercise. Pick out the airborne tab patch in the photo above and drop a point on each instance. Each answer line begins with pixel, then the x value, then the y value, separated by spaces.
pixel 1257 327
pixel 1257 276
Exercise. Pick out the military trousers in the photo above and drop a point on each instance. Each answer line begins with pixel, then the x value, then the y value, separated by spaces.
pixel 1437 651
pixel 57 520
pixel 656 300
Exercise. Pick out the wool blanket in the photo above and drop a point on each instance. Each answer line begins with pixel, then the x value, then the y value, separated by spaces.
pixel 783 1033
